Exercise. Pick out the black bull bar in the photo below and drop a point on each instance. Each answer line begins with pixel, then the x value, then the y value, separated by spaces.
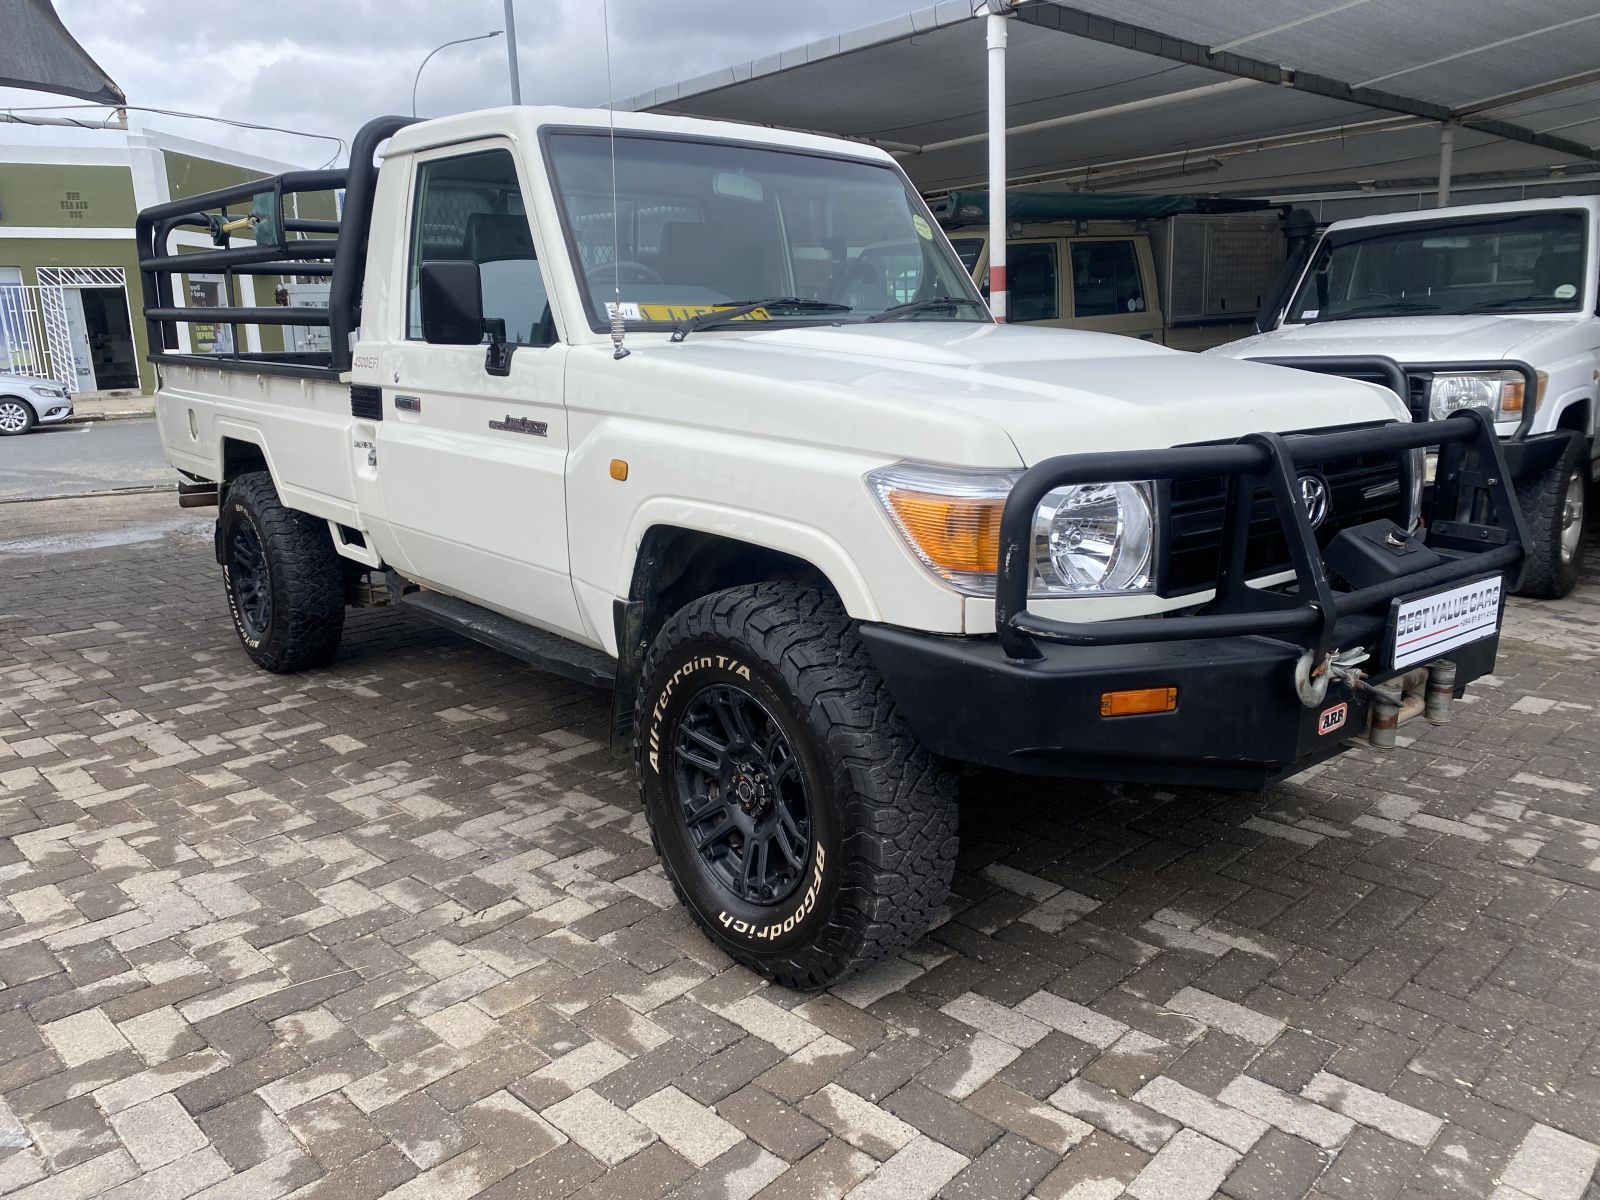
pixel 1476 528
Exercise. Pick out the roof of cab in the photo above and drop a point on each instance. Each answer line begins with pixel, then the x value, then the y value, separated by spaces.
pixel 526 120
pixel 1544 204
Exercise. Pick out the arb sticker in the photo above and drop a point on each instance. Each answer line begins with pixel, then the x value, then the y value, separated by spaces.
pixel 1333 718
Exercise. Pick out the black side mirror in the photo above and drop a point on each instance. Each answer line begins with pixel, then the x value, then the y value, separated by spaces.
pixel 450 293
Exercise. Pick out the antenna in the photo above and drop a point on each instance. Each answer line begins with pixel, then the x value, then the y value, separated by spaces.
pixel 619 326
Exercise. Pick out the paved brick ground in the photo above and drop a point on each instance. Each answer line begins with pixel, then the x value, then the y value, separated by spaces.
pixel 394 929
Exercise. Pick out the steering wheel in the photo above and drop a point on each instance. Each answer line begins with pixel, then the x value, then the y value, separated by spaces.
pixel 1370 296
pixel 628 270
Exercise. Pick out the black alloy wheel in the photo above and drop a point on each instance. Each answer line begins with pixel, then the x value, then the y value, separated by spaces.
pixel 252 586
pixel 743 795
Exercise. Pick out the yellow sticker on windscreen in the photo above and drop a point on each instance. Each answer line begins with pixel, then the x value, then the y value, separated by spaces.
pixel 920 224
pixel 682 312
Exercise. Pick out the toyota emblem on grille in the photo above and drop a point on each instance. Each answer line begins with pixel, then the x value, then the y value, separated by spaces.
pixel 1314 495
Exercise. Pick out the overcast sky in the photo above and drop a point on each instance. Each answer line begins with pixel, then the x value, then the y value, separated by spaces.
pixel 326 65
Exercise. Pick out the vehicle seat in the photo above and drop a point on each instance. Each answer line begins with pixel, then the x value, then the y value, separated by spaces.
pixel 513 285
pixel 693 254
pixel 493 237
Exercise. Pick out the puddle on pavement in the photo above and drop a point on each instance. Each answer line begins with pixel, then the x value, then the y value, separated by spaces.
pixel 72 541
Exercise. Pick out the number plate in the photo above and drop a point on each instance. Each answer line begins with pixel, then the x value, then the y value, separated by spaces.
pixel 1427 627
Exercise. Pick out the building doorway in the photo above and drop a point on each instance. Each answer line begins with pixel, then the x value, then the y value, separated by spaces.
pixel 88 327
pixel 111 354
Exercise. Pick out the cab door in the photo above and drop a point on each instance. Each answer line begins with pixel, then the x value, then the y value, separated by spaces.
pixel 1108 287
pixel 472 464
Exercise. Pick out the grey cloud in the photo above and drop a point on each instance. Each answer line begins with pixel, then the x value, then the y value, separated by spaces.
pixel 327 65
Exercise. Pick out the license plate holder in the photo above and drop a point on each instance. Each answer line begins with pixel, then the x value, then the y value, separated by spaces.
pixel 1431 624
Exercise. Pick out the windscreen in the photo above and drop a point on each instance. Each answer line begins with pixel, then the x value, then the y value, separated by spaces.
pixel 705 224
pixel 1528 262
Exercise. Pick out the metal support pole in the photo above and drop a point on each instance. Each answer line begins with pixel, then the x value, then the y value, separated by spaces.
pixel 1447 151
pixel 997 159
pixel 511 52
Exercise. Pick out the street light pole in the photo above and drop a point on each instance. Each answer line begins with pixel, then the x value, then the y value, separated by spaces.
pixel 511 52
pixel 444 45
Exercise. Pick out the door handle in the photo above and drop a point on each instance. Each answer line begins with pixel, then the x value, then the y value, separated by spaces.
pixel 408 403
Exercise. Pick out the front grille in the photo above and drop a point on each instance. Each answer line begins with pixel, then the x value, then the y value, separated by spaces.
pixel 1361 488
pixel 1417 385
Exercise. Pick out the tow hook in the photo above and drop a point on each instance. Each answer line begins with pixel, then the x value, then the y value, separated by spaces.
pixel 1426 692
pixel 1311 681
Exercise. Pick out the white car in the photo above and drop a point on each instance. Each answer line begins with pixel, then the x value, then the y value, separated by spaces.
pixel 712 415
pixel 27 402
pixel 1488 306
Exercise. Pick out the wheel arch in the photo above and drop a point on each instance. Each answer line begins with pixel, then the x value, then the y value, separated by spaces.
pixel 240 451
pixel 27 401
pixel 1578 416
pixel 677 564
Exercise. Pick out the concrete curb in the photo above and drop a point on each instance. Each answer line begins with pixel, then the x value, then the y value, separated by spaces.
pixel 138 489
pixel 131 414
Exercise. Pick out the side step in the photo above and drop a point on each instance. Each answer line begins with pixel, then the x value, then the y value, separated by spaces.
pixel 547 651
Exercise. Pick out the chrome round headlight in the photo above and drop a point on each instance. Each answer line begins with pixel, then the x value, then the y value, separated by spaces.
pixel 1095 537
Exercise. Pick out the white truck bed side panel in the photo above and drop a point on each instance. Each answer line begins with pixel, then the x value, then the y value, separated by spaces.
pixel 301 425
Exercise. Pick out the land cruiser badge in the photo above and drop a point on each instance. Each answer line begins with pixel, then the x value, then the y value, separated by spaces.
pixel 522 425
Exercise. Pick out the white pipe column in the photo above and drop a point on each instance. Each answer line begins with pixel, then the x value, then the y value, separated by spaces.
pixel 997 159
pixel 1447 153
pixel 511 53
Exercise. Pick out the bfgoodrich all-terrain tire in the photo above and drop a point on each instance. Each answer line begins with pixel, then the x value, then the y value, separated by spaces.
pixel 801 822
pixel 284 579
pixel 1555 507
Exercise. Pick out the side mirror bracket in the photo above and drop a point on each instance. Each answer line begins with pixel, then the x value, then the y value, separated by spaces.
pixel 497 358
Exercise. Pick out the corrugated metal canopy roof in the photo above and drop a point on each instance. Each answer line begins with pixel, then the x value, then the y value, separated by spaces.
pixel 1229 96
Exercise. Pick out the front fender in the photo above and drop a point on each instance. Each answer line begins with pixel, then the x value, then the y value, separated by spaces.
pixel 760 529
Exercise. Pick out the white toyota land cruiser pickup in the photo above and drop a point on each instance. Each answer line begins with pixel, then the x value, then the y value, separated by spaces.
pixel 824 526
pixel 1489 306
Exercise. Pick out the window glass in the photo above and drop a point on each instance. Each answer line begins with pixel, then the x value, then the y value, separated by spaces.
pixel 698 225
pixel 1105 279
pixel 967 250
pixel 209 291
pixel 1526 262
pixel 470 207
pixel 1031 278
pixel 17 322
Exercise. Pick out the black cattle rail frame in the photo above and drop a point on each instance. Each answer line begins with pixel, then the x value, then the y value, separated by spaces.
pixel 1483 534
pixel 342 257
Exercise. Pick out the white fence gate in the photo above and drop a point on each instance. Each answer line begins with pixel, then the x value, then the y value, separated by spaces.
pixel 35 335
pixel 28 345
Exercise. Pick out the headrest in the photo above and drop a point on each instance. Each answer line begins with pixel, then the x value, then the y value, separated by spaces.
pixel 492 237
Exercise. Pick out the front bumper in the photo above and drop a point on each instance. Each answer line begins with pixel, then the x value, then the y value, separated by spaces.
pixel 1238 722
pixel 52 411
pixel 1030 697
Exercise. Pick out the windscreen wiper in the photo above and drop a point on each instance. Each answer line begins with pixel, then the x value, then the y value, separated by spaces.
pixel 740 308
pixel 932 304
pixel 1512 302
pixel 1386 309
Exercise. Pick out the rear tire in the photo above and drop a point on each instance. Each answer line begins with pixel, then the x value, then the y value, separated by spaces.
pixel 284 579
pixel 1556 509
pixel 798 818
pixel 16 416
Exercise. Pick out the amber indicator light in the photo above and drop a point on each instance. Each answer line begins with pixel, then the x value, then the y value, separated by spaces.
pixel 1138 700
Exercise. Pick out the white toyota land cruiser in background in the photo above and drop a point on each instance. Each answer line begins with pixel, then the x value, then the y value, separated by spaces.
pixel 1489 306
pixel 822 524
